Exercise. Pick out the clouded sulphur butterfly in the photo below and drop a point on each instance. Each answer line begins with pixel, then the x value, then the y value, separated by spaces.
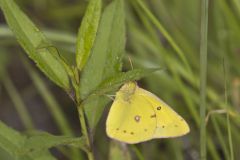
pixel 137 115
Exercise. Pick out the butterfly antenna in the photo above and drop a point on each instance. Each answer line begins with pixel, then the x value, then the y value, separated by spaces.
pixel 130 61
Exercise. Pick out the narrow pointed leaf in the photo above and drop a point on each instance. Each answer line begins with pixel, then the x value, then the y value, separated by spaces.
pixel 123 77
pixel 105 60
pixel 31 40
pixel 87 32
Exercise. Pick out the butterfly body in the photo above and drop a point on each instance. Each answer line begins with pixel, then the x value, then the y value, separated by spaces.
pixel 137 115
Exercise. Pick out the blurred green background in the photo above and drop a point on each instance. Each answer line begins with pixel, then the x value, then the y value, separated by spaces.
pixel 168 36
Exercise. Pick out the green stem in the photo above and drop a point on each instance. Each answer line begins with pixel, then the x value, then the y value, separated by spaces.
pixel 203 76
pixel 85 131
pixel 230 137
pixel 220 136
pixel 81 115
pixel 228 118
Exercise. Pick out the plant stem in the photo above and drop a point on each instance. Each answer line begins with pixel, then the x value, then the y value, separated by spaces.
pixel 228 118
pixel 81 115
pixel 85 131
pixel 203 76
pixel 230 137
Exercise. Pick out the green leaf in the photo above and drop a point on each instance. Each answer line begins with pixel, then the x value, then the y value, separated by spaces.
pixel 10 140
pixel 105 60
pixel 4 155
pixel 34 146
pixel 13 142
pixel 38 141
pixel 87 32
pixel 42 155
pixel 30 38
pixel 123 77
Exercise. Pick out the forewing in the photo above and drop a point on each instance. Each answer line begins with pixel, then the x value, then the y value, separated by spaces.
pixel 169 123
pixel 130 120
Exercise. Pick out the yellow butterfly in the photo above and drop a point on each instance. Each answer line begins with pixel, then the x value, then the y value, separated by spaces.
pixel 137 115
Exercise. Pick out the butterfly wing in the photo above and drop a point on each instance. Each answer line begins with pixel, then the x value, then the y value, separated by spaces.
pixel 129 120
pixel 169 123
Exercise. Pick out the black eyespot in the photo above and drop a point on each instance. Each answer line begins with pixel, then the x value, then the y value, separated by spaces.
pixel 124 131
pixel 132 133
pixel 159 108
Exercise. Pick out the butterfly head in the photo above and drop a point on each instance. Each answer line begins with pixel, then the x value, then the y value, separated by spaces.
pixel 127 90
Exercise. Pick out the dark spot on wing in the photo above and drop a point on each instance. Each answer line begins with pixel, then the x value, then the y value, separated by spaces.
pixel 153 116
pixel 124 131
pixel 117 129
pixel 163 126
pixel 159 108
pixel 137 118
pixel 132 133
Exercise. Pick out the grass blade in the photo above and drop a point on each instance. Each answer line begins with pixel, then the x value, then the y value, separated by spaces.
pixel 203 77
pixel 165 33
pixel 18 102
pixel 230 142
